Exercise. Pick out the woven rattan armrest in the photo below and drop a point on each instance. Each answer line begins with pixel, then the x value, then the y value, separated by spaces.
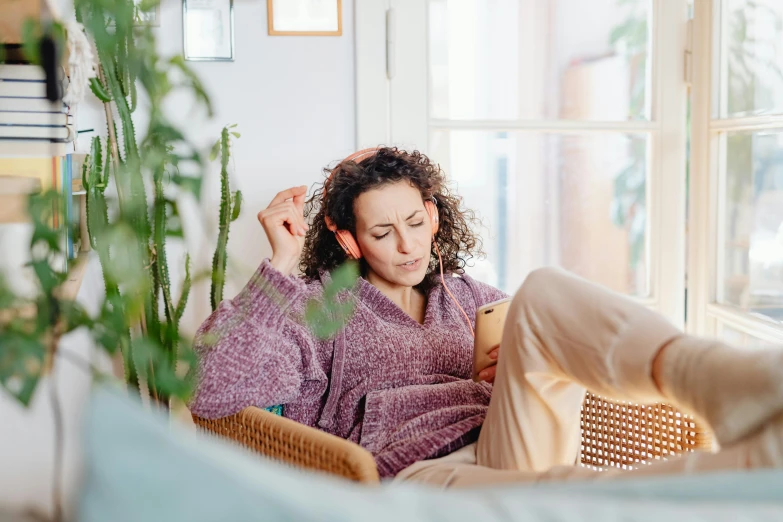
pixel 293 443
pixel 614 434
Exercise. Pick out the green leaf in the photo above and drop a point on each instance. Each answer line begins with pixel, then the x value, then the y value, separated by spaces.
pixel 236 134
pixel 21 363
pixel 146 351
pixel 173 221
pixel 7 297
pixel 236 208
pixel 47 277
pixel 326 320
pixel 127 266
pixel 344 277
pixel 188 183
pixel 213 154
pixel 74 315
pixel 111 327
pixel 99 90
pixel 31 37
pixel 328 316
pixel 186 285
pixel 149 354
pixel 193 82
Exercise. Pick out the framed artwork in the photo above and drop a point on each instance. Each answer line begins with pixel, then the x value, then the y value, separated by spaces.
pixel 208 30
pixel 305 17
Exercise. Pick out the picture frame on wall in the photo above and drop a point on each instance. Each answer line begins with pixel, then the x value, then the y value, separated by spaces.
pixel 208 30
pixel 305 17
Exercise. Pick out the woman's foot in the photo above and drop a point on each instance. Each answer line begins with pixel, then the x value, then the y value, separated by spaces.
pixel 763 448
pixel 735 391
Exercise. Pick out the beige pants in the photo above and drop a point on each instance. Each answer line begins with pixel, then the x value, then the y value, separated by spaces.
pixel 563 335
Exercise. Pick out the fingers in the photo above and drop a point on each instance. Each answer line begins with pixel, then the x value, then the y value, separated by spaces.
pixel 299 201
pixel 287 194
pixel 288 214
pixel 284 214
pixel 488 374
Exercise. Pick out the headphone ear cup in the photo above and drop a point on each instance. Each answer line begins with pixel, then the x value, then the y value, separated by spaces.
pixel 432 211
pixel 348 243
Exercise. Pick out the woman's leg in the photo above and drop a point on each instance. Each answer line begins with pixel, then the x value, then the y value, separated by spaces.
pixel 563 335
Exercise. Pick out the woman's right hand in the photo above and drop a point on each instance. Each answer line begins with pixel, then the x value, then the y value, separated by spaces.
pixel 284 225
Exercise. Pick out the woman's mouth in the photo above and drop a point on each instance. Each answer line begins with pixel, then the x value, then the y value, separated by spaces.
pixel 411 266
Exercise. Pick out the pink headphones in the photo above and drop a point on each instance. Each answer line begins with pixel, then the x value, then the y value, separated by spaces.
pixel 351 247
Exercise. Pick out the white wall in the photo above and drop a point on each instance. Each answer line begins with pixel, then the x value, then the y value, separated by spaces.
pixel 293 99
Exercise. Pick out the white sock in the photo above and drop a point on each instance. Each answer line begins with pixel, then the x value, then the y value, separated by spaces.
pixel 734 390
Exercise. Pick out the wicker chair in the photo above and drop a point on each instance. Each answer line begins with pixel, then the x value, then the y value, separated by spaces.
pixel 613 434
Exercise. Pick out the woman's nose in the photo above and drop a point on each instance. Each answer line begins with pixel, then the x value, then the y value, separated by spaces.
pixel 405 243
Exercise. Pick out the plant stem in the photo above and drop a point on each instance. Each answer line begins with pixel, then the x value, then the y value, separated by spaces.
pixel 58 437
pixel 224 218
pixel 115 151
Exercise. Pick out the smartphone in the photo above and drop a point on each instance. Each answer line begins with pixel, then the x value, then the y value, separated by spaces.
pixel 490 320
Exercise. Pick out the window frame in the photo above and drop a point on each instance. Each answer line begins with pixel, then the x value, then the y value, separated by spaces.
pixel 706 316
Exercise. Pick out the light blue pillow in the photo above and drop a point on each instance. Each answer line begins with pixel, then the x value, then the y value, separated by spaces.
pixel 138 468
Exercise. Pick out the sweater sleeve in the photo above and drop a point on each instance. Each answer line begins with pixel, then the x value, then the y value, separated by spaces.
pixel 251 352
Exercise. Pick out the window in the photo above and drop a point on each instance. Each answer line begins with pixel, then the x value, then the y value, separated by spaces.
pixel 561 123
pixel 738 176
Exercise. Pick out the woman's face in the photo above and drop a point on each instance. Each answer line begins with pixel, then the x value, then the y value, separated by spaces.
pixel 394 232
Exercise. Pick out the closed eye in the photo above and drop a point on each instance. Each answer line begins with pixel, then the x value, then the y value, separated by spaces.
pixel 415 225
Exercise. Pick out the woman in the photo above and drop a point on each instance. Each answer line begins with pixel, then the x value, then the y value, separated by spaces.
pixel 397 378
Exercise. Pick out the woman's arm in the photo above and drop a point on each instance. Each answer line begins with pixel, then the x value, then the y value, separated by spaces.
pixel 251 350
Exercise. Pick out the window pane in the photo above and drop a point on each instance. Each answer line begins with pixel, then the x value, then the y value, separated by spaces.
pixel 534 59
pixel 754 58
pixel 577 201
pixel 752 217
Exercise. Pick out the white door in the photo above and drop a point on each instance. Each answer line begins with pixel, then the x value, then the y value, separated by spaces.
pixel 561 122
pixel 736 199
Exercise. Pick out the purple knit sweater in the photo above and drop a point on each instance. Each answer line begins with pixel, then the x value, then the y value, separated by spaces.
pixel 400 389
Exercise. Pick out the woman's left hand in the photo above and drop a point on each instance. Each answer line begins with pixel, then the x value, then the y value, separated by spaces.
pixel 488 373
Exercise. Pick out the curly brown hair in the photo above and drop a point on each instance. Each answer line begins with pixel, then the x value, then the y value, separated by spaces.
pixel 455 238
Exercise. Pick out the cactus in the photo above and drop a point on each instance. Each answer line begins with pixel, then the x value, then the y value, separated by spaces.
pixel 184 294
pixel 128 59
pixel 95 180
pixel 230 207
pixel 160 267
pixel 130 231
